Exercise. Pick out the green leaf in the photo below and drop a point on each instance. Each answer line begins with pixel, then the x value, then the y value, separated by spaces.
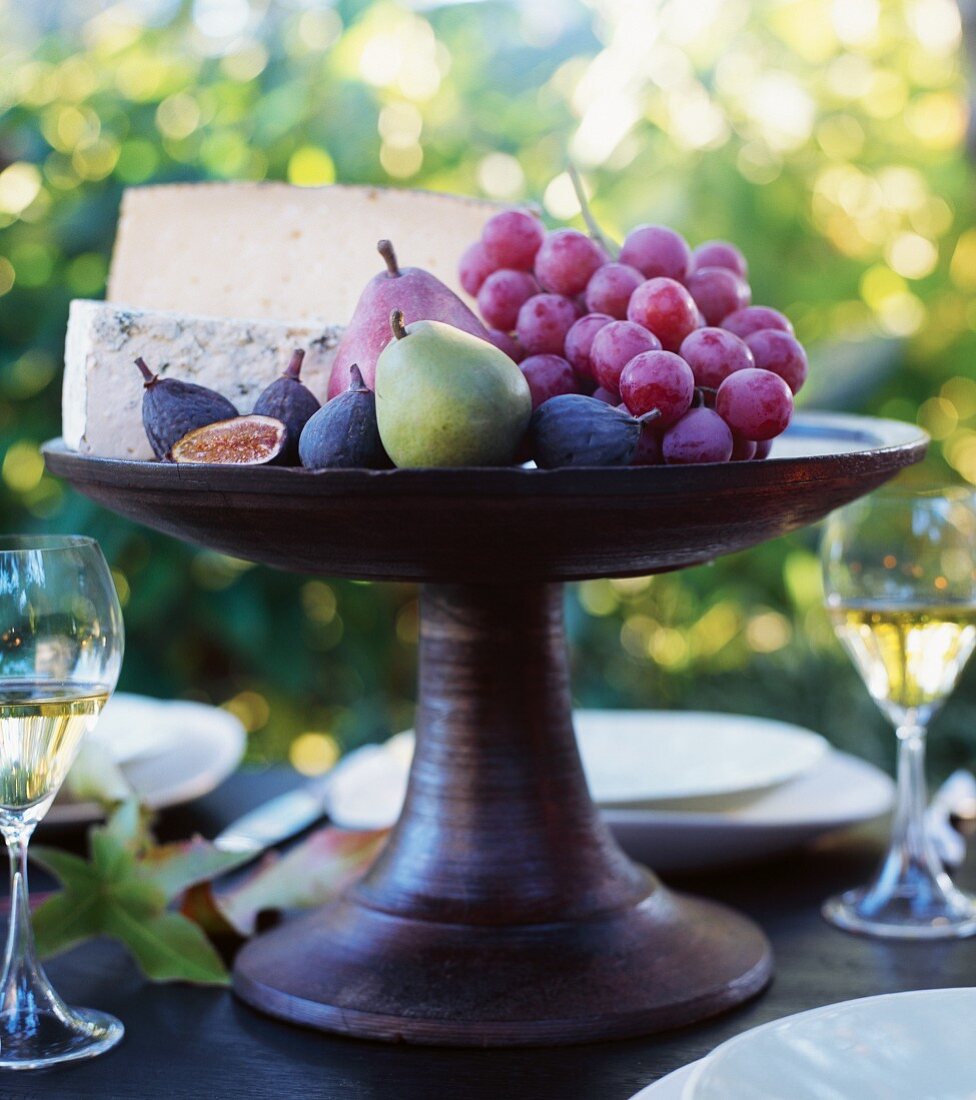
pixel 174 868
pixel 68 869
pixel 168 947
pixel 65 919
pixel 312 873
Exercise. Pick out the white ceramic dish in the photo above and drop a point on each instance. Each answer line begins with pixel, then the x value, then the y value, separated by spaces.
pixel 368 786
pixel 169 751
pixel 899 1046
pixel 668 1088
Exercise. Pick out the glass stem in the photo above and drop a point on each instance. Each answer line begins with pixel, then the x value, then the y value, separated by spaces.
pixel 911 869
pixel 24 987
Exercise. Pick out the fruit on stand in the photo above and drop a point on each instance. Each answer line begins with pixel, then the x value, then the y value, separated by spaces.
pixel 344 432
pixel 512 239
pixel 717 292
pixel 579 343
pixel 507 343
pixel 781 353
pixel 713 354
pixel 447 398
pixel 544 323
pixel 656 250
pixel 658 380
pixel 548 376
pixel 240 441
pixel 289 400
pixel 613 348
pixel 172 408
pixel 701 435
pixel 720 254
pixel 574 430
pixel 744 322
pixel 610 288
pixel 502 295
pixel 756 404
pixel 419 294
pixel 566 260
pixel 663 306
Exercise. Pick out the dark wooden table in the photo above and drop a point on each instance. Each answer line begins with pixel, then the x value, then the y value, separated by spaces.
pixel 187 1042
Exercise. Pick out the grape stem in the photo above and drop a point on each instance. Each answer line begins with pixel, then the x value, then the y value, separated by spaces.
pixel 700 391
pixel 608 246
pixel 646 418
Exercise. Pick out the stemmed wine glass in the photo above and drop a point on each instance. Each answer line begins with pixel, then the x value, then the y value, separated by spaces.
pixel 900 584
pixel 61 641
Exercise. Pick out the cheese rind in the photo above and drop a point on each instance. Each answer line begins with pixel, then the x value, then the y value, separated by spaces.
pixel 102 390
pixel 273 250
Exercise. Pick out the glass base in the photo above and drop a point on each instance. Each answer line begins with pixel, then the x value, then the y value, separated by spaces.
pixel 54 1037
pixel 948 917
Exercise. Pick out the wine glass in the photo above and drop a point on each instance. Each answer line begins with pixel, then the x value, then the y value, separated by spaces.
pixel 61 641
pixel 900 585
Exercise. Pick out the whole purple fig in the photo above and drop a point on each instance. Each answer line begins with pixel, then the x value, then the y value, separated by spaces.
pixel 343 433
pixel 171 409
pixel 289 400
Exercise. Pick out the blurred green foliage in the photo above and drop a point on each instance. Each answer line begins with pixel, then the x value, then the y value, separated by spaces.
pixel 826 139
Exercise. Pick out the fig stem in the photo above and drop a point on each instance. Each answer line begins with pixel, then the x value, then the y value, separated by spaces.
pixel 396 324
pixel 294 368
pixel 147 374
pixel 385 249
pixel 592 225
pixel 356 380
pixel 648 417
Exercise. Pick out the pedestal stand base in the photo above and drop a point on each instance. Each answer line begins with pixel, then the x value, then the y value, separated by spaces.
pixel 669 961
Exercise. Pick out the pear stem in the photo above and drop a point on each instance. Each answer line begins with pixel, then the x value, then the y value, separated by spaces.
pixel 147 374
pixel 592 225
pixel 385 249
pixel 294 368
pixel 397 325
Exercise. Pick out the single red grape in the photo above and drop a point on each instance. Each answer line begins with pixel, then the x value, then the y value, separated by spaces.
pixel 543 322
pixel 656 250
pixel 547 376
pixel 781 353
pixel 610 288
pixel 658 380
pixel 744 322
pixel 713 354
pixel 579 341
pixel 474 267
pixel 566 260
pixel 502 295
pixel 613 348
pixel 720 254
pixel 512 238
pixel 648 451
pixel 664 307
pixel 755 404
pixel 763 447
pixel 606 396
pixel 743 449
pixel 701 435
pixel 718 292
pixel 507 343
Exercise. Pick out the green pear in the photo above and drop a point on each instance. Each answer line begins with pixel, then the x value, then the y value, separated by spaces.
pixel 446 398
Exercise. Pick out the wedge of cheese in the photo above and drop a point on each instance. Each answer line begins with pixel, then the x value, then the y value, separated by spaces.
pixel 102 391
pixel 274 251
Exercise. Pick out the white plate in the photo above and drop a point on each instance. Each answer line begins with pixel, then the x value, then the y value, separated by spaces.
pixel 839 792
pixel 667 1088
pixel 368 787
pixel 900 1046
pixel 636 759
pixel 169 751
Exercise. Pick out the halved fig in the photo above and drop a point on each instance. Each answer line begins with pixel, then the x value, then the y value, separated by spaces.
pixel 241 441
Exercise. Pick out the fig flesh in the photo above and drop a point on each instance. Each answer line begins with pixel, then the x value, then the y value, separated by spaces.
pixel 241 441
pixel 171 409
pixel 573 430
pixel 289 400
pixel 343 433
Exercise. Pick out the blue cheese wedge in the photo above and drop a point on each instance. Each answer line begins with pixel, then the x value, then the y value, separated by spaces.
pixel 102 391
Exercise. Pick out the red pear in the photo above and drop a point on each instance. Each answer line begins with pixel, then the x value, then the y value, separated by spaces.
pixel 420 295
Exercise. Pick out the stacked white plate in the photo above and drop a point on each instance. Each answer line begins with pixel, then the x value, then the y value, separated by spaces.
pixel 681 790
pixel 900 1046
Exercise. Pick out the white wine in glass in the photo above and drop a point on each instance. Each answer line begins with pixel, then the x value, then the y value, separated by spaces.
pixel 900 585
pixel 61 641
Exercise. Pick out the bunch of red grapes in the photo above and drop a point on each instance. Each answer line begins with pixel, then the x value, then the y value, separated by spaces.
pixel 661 327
